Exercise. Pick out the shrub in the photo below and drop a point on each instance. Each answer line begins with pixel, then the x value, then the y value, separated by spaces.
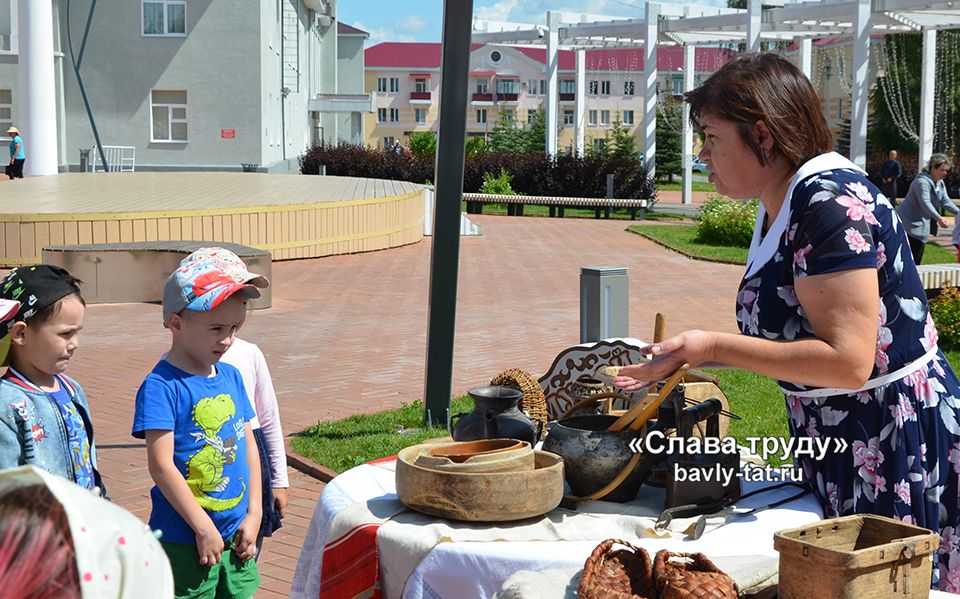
pixel 727 222
pixel 499 184
pixel 945 309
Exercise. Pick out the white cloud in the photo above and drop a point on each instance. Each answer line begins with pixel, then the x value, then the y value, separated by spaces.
pixel 412 24
pixel 383 34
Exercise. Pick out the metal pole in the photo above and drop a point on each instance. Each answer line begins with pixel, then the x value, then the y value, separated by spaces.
pixel 445 254
pixel 927 89
pixel 860 99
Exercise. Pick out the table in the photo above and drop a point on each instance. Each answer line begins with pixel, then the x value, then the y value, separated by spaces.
pixel 360 534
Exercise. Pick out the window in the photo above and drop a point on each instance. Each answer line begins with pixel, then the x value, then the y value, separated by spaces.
pixel 839 108
pixel 567 117
pixel 530 115
pixel 394 115
pixel 568 86
pixel 6 109
pixel 168 113
pixel 506 115
pixel 599 143
pixel 495 56
pixel 508 86
pixel 381 115
pixel 420 85
pixel 164 17
pixel 394 84
pixel 482 86
pixel 628 88
pixel 604 117
pixel 627 117
pixel 605 88
pixel 592 117
pixel 381 84
pixel 421 115
pixel 677 86
pixel 388 142
pixel 537 87
pixel 592 87
pixel 482 116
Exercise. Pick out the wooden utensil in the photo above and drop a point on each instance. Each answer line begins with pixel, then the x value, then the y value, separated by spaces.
pixel 638 415
pixel 659 327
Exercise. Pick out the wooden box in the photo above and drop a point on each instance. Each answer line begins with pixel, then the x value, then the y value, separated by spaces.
pixel 855 557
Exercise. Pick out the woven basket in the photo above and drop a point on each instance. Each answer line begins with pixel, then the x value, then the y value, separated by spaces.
pixel 620 574
pixel 533 402
pixel 690 576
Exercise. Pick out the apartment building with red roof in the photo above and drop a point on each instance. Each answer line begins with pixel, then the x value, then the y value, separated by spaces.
pixel 510 82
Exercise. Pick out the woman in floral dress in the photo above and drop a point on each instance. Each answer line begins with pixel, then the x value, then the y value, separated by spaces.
pixel 831 305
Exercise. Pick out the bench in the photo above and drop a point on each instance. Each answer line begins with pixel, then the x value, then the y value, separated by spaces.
pixel 136 271
pixel 515 204
pixel 938 276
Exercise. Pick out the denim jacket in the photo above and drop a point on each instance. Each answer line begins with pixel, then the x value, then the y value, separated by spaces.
pixel 32 429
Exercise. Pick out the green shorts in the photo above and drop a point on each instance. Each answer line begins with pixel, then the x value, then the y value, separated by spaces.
pixel 229 579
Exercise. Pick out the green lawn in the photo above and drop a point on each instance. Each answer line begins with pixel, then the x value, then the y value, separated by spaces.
pixel 696 186
pixel 683 239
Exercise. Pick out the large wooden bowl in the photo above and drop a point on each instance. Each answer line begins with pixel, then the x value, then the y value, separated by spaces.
pixel 480 496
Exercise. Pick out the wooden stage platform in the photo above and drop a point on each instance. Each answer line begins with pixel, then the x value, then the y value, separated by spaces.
pixel 291 216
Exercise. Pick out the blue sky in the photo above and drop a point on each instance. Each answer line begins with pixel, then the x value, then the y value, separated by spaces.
pixel 421 20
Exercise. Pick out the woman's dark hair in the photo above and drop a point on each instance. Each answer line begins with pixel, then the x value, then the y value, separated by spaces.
pixel 768 88
pixel 37 559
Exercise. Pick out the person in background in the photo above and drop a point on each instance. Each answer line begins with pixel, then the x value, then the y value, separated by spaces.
pixel 44 416
pixel 58 541
pixel 925 199
pixel 18 154
pixel 267 431
pixel 889 173
pixel 831 305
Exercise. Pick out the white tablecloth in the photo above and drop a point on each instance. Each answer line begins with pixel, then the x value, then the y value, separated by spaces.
pixel 422 556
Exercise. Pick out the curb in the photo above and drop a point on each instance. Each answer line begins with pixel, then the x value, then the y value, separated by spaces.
pixel 306 465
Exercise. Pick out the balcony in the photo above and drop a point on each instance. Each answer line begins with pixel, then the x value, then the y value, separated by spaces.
pixel 420 98
pixel 567 97
pixel 507 97
pixel 482 99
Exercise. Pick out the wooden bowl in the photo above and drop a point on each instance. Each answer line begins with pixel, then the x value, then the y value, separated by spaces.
pixel 488 455
pixel 480 496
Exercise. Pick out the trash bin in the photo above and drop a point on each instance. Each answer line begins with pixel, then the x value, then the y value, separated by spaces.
pixel 604 299
pixel 249 167
pixel 84 159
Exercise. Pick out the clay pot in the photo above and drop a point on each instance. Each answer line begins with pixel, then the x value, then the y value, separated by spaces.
pixel 495 416
pixel 593 455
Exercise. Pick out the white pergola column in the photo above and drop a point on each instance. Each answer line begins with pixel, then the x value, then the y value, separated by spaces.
pixel 927 88
pixel 806 56
pixel 553 64
pixel 650 33
pixel 754 10
pixel 689 64
pixel 860 100
pixel 37 94
pixel 581 103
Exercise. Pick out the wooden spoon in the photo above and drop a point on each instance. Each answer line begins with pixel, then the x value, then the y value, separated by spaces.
pixel 643 410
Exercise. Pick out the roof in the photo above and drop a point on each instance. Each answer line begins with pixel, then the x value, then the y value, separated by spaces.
pixel 420 55
pixel 344 29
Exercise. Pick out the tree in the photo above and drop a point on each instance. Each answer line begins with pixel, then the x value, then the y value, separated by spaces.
pixel 423 144
pixel 669 139
pixel 509 137
pixel 622 144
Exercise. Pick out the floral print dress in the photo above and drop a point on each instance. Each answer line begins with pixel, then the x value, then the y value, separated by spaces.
pixel 904 436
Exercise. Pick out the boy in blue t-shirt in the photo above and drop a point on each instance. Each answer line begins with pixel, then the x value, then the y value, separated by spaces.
pixel 194 415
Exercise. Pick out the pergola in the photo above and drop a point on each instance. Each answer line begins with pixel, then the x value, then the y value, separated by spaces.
pixel 668 24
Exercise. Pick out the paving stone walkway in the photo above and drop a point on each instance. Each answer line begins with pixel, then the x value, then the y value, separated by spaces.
pixel 347 334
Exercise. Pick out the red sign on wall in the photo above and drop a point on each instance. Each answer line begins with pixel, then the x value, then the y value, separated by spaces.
pixel 228 133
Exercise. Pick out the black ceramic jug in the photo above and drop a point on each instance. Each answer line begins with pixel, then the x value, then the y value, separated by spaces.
pixel 495 416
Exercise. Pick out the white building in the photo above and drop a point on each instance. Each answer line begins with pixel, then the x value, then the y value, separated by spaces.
pixel 195 85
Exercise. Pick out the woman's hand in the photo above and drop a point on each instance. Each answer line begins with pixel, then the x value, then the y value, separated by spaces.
pixel 691 347
pixel 943 222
